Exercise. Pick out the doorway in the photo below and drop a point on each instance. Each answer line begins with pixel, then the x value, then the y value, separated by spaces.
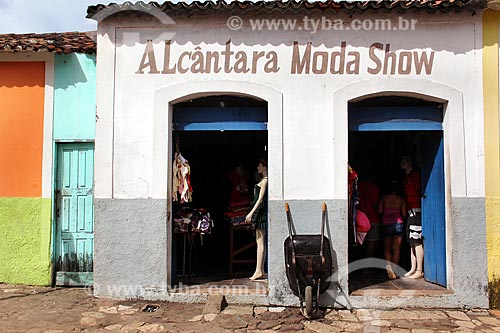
pixel 382 130
pixel 74 215
pixel 220 137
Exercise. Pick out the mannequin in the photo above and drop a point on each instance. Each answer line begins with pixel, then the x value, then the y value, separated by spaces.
pixel 258 216
pixel 412 192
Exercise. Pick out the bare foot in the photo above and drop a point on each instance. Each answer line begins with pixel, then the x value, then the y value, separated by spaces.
pixel 411 272
pixel 390 273
pixel 416 275
pixel 257 276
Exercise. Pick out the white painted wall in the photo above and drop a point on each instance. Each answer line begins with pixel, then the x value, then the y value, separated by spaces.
pixel 311 155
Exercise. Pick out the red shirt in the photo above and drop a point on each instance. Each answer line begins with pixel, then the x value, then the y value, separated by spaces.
pixel 369 197
pixel 412 189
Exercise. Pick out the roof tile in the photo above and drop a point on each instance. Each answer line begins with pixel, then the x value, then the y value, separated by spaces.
pixel 64 42
pixel 100 11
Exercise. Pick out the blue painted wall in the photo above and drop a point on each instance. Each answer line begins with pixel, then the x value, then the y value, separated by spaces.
pixel 74 97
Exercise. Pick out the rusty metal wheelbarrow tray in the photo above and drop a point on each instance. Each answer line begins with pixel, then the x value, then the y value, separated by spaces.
pixel 308 264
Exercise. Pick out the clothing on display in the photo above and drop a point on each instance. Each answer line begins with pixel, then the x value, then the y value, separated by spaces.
pixel 236 211
pixel 181 182
pixel 353 200
pixel 196 221
pixel 259 219
pixel 239 199
pixel 362 226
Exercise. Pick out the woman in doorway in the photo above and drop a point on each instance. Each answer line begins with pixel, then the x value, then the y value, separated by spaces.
pixel 258 216
pixel 392 207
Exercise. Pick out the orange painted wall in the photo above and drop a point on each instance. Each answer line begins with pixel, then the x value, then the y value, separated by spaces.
pixel 22 87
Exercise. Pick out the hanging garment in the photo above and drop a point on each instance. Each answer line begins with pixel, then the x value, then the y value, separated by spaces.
pixel 353 200
pixel 181 180
pixel 362 226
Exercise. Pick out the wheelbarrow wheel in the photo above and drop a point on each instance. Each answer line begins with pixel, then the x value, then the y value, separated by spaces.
pixel 309 301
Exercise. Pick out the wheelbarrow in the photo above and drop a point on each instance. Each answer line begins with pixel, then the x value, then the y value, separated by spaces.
pixel 308 263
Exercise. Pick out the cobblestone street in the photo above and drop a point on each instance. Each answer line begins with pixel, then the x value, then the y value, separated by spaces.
pixel 43 309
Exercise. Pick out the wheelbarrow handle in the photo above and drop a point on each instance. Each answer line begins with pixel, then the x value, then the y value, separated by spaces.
pixel 323 222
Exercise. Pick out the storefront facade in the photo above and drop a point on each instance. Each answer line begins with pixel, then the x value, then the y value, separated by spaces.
pixel 47 85
pixel 157 57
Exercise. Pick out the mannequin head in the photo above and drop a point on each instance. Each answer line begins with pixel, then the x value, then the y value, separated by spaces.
pixel 406 163
pixel 262 167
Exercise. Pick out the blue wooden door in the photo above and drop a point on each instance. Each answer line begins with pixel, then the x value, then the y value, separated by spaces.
pixel 74 214
pixel 433 207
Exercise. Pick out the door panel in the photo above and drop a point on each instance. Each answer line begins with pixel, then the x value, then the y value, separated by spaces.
pixel 74 214
pixel 433 208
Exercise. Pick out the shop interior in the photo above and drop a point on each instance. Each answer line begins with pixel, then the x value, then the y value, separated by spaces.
pixel 375 156
pixel 222 157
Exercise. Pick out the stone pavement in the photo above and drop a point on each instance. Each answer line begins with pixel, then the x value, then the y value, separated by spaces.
pixel 43 309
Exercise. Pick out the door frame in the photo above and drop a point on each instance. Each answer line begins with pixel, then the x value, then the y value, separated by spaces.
pixel 409 119
pixel 164 99
pixel 200 119
pixel 454 146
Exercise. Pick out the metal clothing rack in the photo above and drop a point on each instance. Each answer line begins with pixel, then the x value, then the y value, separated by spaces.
pixel 188 249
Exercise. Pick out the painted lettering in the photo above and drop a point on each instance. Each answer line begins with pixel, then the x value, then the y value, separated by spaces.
pixel 338 57
pixel 227 53
pixel 271 65
pixel 166 59
pixel 298 64
pixel 423 61
pixel 306 59
pixel 389 56
pixel 336 62
pixel 401 63
pixel 149 54
pixel 198 61
pixel 240 65
pixel 374 58
pixel 208 65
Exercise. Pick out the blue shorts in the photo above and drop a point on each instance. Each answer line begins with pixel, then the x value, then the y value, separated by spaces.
pixel 392 230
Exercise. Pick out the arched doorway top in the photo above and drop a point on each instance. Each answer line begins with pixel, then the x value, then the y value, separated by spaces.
pixel 421 89
pixel 453 122
pixel 181 92
pixel 167 96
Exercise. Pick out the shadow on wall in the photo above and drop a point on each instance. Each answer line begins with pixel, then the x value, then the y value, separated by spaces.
pixel 69 70
pixel 22 74
pixel 249 33
pixel 494 293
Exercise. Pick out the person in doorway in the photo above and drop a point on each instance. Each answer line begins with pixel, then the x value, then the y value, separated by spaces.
pixel 412 194
pixel 238 179
pixel 392 207
pixel 258 216
pixel 369 198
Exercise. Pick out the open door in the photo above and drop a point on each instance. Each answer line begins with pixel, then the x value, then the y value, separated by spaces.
pixel 433 207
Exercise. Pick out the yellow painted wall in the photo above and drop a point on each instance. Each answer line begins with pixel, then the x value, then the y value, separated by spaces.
pixel 491 59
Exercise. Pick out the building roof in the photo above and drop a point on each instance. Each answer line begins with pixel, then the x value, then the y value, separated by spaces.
pixel 97 11
pixel 64 42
